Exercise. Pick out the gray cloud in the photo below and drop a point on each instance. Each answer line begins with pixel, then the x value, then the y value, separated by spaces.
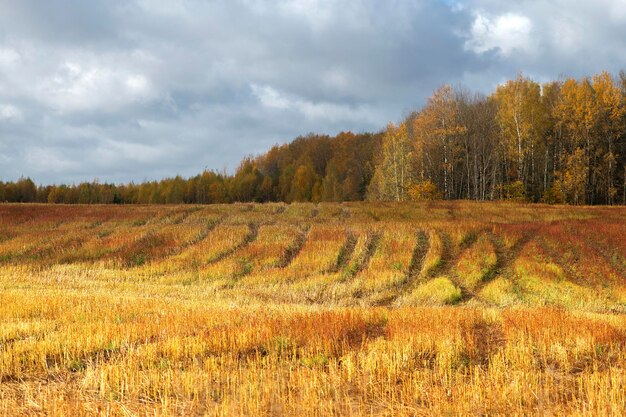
pixel 133 90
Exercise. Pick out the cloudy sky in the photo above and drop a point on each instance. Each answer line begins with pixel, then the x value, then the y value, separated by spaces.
pixel 132 90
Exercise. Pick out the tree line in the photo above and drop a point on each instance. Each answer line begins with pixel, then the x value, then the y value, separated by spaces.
pixel 310 168
pixel 557 142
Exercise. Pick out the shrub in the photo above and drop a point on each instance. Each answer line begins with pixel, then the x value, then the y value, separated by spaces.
pixel 554 194
pixel 514 191
pixel 424 190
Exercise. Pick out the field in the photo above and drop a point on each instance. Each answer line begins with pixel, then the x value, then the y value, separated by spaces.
pixel 442 308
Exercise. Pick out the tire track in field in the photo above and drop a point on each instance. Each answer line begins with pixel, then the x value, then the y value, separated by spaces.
pixel 253 232
pixel 204 233
pixel 345 253
pixel 171 216
pixel 450 259
pixel 419 275
pixel 505 258
pixel 448 262
pixel 619 269
pixel 570 273
pixel 422 244
pixel 147 248
pixel 47 249
pixel 371 243
pixel 447 258
pixel 186 213
pixel 292 251
pixel 414 271
pixel 600 251
pixel 373 240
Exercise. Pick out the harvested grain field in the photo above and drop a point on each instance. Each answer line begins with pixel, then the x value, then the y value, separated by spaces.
pixel 444 308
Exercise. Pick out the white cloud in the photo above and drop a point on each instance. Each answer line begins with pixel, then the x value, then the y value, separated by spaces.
pixel 617 10
pixel 317 12
pixel 8 56
pixel 78 87
pixel 323 111
pixel 270 97
pixel 10 113
pixel 506 33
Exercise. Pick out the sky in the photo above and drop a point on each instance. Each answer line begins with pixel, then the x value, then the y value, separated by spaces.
pixel 137 90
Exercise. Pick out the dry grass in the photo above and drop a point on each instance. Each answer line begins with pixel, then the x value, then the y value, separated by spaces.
pixel 477 263
pixel 313 310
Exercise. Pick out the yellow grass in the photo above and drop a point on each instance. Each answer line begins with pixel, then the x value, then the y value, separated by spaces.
pixel 437 291
pixel 336 309
pixel 389 266
pixel 477 263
